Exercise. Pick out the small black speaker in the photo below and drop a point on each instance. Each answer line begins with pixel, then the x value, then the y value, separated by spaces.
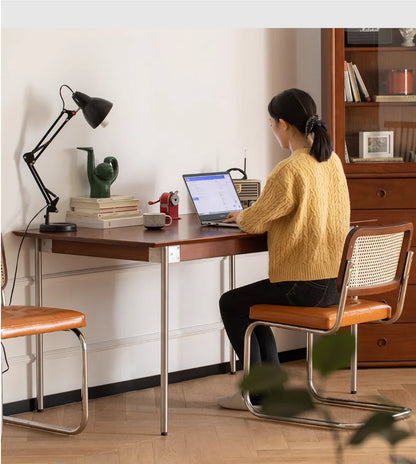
pixel 367 37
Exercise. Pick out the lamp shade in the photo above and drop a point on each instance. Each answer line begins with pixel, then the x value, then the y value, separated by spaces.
pixel 94 109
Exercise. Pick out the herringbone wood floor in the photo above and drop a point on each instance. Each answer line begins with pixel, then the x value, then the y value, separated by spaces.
pixel 124 429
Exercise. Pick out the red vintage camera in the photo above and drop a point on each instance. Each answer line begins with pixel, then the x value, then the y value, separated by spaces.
pixel 169 204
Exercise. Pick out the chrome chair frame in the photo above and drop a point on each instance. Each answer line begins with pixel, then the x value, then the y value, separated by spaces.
pixel 84 384
pixel 84 401
pixel 346 290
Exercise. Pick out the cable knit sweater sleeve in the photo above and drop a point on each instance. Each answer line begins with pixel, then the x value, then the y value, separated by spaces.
pixel 277 199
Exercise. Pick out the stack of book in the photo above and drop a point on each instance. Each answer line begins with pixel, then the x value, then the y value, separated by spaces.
pixel 354 87
pixel 381 159
pixel 395 98
pixel 105 213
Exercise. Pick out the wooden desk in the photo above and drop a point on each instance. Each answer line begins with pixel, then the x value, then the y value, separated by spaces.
pixel 184 240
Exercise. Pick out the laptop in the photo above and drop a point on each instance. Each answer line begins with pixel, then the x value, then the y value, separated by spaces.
pixel 214 196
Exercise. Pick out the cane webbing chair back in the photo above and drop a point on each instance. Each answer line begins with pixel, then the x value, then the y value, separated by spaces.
pixel 375 261
pixel 377 257
pixel 25 320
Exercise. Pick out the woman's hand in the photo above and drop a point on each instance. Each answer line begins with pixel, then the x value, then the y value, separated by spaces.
pixel 232 217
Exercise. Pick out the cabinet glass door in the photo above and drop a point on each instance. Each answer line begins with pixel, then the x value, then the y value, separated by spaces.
pixel 380 96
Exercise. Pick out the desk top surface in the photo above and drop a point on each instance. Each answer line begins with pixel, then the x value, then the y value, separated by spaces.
pixel 185 230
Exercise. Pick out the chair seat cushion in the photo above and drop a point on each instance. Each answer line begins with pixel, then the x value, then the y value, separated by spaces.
pixel 356 312
pixel 20 321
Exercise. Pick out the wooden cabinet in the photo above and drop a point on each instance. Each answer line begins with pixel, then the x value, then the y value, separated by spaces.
pixel 384 191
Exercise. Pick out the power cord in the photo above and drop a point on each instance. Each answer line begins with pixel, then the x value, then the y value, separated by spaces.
pixel 18 252
pixel 4 356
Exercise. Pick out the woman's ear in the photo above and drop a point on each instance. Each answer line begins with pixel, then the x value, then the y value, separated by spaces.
pixel 285 125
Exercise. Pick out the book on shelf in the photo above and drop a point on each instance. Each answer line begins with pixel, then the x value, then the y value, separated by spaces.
pixel 353 82
pixel 354 86
pixel 386 159
pixel 395 98
pixel 346 154
pixel 107 223
pixel 361 84
pixel 98 204
pixel 347 85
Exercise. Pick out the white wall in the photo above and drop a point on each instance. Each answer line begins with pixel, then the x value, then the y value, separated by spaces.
pixel 184 100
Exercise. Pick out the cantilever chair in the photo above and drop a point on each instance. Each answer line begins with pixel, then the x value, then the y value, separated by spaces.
pixel 375 260
pixel 22 321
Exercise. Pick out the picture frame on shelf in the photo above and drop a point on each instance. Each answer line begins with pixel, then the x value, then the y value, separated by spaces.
pixel 378 144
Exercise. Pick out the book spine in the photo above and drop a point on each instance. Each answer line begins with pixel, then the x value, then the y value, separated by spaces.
pixel 109 215
pixel 113 198
pixel 347 85
pixel 361 84
pixel 394 98
pixel 116 209
pixel 346 154
pixel 104 206
pixel 388 159
pixel 108 223
pixel 354 84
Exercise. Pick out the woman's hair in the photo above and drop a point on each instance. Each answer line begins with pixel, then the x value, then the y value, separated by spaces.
pixel 298 109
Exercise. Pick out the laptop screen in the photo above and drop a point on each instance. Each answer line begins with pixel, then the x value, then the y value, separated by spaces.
pixel 213 194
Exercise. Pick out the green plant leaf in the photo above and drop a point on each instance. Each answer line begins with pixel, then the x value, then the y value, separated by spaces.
pixel 264 377
pixel 333 352
pixel 382 424
pixel 287 403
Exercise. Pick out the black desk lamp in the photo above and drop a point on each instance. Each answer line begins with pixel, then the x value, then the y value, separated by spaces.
pixel 95 110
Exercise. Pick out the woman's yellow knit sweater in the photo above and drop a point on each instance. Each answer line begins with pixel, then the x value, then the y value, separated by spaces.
pixel 305 209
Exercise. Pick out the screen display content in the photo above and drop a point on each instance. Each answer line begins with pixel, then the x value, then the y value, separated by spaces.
pixel 213 194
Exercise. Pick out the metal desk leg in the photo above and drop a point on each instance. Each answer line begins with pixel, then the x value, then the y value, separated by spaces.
pixel 164 256
pixel 39 338
pixel 164 340
pixel 232 286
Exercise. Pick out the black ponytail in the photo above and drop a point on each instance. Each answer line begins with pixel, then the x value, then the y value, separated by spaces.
pixel 298 108
pixel 322 144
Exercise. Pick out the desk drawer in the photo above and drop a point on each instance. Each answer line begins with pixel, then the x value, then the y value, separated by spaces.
pixel 387 343
pixel 382 193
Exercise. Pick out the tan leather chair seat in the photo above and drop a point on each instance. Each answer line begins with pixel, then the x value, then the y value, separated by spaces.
pixel 356 312
pixel 20 321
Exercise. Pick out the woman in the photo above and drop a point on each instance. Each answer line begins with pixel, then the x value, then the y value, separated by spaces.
pixel 305 209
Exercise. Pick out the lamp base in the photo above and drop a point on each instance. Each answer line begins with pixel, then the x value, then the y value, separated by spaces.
pixel 58 227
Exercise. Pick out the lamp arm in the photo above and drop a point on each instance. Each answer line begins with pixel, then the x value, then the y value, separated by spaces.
pixel 30 159
pixel 41 147
pixel 50 197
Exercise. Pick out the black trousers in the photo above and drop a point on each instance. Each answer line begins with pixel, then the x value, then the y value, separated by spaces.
pixel 235 306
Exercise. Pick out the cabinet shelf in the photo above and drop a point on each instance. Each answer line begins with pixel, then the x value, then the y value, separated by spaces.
pixel 378 104
pixel 387 169
pixel 380 49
